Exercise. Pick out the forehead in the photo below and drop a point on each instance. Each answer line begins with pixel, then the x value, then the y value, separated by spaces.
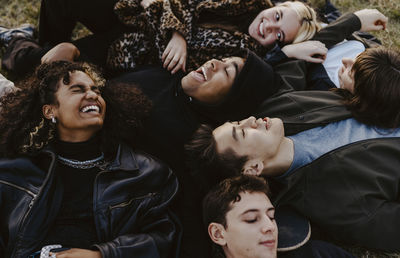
pixel 255 201
pixel 290 23
pixel 237 59
pixel 223 136
pixel 80 77
pixel 76 78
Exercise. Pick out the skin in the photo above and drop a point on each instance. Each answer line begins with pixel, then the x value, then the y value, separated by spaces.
pixel 213 80
pixel 78 253
pixel 346 76
pixel 73 125
pixel 251 230
pixel 277 24
pixel 174 55
pixel 261 140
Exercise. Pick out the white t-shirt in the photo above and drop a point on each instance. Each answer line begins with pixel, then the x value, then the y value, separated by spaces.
pixel 333 61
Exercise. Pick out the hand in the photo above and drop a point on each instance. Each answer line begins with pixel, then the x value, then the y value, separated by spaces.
pixel 63 51
pixel 311 51
pixel 146 3
pixel 371 19
pixel 78 253
pixel 174 56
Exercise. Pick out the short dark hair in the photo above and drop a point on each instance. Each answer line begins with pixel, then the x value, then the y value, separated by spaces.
pixel 218 202
pixel 207 165
pixel 376 88
pixel 220 198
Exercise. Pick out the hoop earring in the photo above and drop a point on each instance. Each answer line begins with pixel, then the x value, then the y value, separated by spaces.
pixel 53 120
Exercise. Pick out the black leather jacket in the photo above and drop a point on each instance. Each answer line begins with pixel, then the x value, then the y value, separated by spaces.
pixel 130 205
pixel 353 192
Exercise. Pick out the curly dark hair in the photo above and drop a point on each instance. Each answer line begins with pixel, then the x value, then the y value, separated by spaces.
pixel 25 131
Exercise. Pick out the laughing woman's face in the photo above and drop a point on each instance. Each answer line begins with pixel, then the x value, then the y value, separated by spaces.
pixel 80 108
pixel 277 24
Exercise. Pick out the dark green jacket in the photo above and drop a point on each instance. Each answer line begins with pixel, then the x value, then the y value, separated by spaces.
pixel 352 192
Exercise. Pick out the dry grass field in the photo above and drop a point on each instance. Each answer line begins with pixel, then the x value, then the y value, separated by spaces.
pixel 15 12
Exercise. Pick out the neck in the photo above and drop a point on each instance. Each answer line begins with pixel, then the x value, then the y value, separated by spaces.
pixel 282 161
pixel 76 136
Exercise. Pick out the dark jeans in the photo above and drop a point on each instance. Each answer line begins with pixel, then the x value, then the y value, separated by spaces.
pixel 57 21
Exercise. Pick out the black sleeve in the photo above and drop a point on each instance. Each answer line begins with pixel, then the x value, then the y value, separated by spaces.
pixel 338 30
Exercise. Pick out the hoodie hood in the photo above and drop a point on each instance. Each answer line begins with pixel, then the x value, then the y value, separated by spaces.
pixel 253 85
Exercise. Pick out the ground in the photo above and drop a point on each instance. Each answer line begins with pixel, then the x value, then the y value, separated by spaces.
pixel 15 12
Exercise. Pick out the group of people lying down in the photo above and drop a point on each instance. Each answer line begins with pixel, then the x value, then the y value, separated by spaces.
pixel 183 128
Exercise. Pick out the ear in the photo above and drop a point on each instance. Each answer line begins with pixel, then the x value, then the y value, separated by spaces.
pixel 48 111
pixel 216 232
pixel 253 167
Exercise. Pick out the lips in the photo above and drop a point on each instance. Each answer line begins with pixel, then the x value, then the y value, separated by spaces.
pixel 261 28
pixel 268 123
pixel 200 74
pixel 268 243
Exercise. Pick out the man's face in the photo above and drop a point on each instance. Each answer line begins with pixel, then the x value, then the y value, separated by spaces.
pixel 346 76
pixel 212 81
pixel 251 230
pixel 277 24
pixel 255 138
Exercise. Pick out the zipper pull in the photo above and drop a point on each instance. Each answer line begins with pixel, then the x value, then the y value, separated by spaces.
pixel 32 201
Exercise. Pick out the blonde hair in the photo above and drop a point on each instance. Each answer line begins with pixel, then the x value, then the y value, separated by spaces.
pixel 308 20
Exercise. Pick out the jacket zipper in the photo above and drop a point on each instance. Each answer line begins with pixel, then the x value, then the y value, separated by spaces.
pixel 96 222
pixel 124 204
pixel 21 189
pixel 32 202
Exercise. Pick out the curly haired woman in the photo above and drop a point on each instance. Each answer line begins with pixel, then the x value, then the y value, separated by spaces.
pixel 68 180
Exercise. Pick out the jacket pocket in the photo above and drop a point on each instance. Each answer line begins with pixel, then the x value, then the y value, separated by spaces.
pixel 124 216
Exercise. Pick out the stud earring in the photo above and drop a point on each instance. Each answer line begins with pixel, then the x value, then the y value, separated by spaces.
pixel 53 120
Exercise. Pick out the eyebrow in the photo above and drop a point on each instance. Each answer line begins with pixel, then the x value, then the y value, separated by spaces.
pixel 234 134
pixel 236 68
pixel 257 210
pixel 249 211
pixel 283 33
pixel 77 86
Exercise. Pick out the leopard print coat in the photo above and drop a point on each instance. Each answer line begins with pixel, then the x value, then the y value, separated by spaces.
pixel 152 29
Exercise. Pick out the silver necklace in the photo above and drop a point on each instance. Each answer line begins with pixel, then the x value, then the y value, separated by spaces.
pixel 86 164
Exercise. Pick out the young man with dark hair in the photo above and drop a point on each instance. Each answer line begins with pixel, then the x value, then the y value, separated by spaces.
pixel 242 222
pixel 338 169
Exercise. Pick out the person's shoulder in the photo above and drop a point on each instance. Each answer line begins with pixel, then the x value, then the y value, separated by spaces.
pixel 148 168
pixel 16 163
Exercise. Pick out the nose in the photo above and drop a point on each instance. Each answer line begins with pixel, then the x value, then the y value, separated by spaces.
pixel 250 122
pixel 90 94
pixel 270 27
pixel 347 62
pixel 216 64
pixel 267 225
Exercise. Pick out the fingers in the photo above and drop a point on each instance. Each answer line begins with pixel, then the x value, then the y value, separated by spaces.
pixel 173 60
pixel 371 19
pixel 316 59
pixel 180 65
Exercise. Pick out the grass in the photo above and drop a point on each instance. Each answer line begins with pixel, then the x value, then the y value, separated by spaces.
pixel 16 12
pixel 391 8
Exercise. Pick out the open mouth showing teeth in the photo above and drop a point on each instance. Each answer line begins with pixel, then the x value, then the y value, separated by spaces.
pixel 201 74
pixel 91 108
pixel 260 28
